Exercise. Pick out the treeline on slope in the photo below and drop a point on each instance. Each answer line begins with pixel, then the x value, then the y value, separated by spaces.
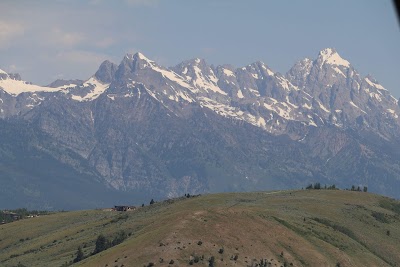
pixel 318 186
pixel 102 243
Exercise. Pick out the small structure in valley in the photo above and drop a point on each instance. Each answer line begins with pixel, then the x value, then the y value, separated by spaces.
pixel 11 216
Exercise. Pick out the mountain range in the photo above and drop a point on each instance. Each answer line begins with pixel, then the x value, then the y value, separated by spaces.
pixel 138 130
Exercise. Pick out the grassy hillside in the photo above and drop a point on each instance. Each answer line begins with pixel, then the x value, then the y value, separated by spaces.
pixel 286 228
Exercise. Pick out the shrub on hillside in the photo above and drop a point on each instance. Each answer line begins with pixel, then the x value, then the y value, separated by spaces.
pixel 79 255
pixel 211 262
pixel 101 244
pixel 379 216
pixel 121 236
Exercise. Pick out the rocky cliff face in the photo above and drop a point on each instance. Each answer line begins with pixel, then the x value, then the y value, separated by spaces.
pixel 142 128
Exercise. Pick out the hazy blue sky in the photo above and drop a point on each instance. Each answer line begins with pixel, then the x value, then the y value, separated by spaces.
pixel 45 40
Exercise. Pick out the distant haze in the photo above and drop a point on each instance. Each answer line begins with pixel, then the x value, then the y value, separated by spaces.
pixel 47 40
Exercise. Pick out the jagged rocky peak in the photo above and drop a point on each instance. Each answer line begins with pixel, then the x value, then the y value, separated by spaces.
pixel 226 70
pixel 262 68
pixel 127 67
pixel 331 57
pixel 299 72
pixel 135 62
pixel 300 69
pixel 106 72
pixel 14 76
pixel 329 69
pixel 192 67
pixel 229 75
pixel 198 73
pixel 139 60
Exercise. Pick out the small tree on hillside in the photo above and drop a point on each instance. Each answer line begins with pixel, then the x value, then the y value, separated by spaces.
pixel 317 186
pixel 152 202
pixel 79 255
pixel 101 244
pixel 121 236
pixel 365 189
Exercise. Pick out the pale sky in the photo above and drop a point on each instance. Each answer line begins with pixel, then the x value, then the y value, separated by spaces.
pixel 48 39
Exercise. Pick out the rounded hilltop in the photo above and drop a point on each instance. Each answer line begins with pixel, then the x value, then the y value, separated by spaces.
pixel 286 228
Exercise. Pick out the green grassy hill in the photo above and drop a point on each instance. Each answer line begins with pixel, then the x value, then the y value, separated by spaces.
pixel 285 228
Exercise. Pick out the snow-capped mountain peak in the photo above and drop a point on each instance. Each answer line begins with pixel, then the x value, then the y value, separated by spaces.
pixel 141 56
pixel 314 92
pixel 330 56
pixel 129 121
pixel 139 60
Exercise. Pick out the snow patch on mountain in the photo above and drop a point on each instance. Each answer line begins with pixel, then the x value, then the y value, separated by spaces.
pixel 354 105
pixel 257 121
pixel 179 95
pixel 174 77
pixel 293 105
pixel 286 84
pixel 339 71
pixel 255 75
pixel 221 109
pixel 15 87
pixel 143 57
pixel 393 113
pixel 97 88
pixel 228 72
pixel 323 107
pixel 240 94
pixel 375 85
pixel 376 96
pixel 269 72
pixel 283 112
pixel 206 84
pixel 330 56
pixel 253 91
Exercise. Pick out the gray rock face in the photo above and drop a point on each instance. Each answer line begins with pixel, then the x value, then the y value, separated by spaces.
pixel 194 128
pixel 106 72
pixel 61 82
pixel 15 76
